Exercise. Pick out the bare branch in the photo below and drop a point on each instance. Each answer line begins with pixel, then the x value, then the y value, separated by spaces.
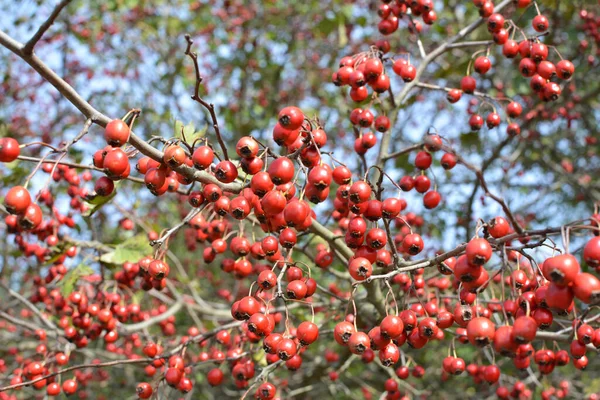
pixel 28 48
pixel 196 96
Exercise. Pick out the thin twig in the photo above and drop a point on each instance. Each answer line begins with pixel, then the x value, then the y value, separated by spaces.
pixel 28 48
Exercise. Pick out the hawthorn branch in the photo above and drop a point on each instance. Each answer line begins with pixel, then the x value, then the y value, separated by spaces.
pixel 100 119
pixel 196 96
pixel 474 43
pixel 479 173
pixel 30 306
pixel 262 376
pixel 447 89
pixel 84 166
pixel 23 324
pixel 28 48
pixel 399 153
pixel 426 263
pixel 174 309
pixel 385 141
pixel 76 367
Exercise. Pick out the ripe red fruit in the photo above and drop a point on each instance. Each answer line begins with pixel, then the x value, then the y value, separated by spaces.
pixel 226 171
pixel 342 332
pixel 174 156
pixel 116 133
pixel 422 183
pixel 561 269
pixel 478 251
pixel 53 389
pixel 307 333
pixel 31 218
pixel 431 199
pixel 69 386
pixel 591 252
pixel 360 268
pixel 540 23
pixel 17 200
pixel 281 170
pixel 587 288
pixel 271 341
pixel 296 289
pixel 359 192
pixel 104 186
pixel 266 391
pixel 391 327
pixel 247 147
pixel 408 73
pixel 565 69
pixel 215 377
pixel 9 149
pixel 475 122
pixel 468 84
pixel 498 227
pixel 291 118
pixel 448 161
pixel 491 374
pixel 286 349
pixel 359 342
pixel 412 244
pixel 495 22
pixel 481 331
pixel 504 343
pixel 116 162
pixel 524 329
pixel 423 160
pixel 492 120
pixel 389 355
pixel 510 49
pixel 202 157
pixel 559 297
pixel 482 65
pixel 453 95
pixel 382 123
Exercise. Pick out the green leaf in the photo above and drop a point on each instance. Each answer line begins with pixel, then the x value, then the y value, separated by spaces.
pixel 67 284
pixel 131 250
pixel 189 130
pixel 98 202
pixel 470 139
pixel 178 129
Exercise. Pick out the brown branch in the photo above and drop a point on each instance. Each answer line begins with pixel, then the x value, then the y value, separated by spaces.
pixel 28 48
pixel 474 43
pixel 76 367
pixel 426 263
pixel 385 141
pixel 399 153
pixel 478 172
pixel 100 119
pixel 196 96
pixel 30 305
pixel 447 89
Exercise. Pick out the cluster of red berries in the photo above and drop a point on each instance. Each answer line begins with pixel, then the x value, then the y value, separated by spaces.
pixel 391 11
pixel 34 370
pixel 154 273
pixel 533 53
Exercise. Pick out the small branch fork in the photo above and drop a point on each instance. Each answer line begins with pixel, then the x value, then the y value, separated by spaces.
pixel 28 48
pixel 196 96
pixel 426 263
pixel 478 172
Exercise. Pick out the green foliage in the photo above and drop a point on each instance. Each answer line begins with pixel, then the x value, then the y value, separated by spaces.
pixel 131 250
pixel 68 282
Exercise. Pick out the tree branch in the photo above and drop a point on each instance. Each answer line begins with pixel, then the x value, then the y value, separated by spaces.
pixel 28 48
